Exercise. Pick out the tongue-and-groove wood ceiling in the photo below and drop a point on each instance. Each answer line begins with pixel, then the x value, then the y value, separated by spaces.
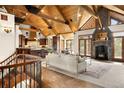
pixel 60 19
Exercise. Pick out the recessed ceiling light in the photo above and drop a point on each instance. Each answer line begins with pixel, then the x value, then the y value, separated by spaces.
pixel 79 15
pixel 42 10
pixel 26 14
pixel 49 20
pixel 55 17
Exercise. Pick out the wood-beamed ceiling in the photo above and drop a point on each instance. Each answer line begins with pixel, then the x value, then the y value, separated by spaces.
pixel 61 19
pixel 117 16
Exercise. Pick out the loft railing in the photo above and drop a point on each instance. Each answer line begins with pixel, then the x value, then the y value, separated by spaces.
pixel 8 60
pixel 22 71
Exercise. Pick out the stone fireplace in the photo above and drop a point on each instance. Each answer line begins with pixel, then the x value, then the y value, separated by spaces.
pixel 102 38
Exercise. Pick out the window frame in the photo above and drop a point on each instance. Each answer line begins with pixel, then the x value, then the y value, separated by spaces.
pixel 85 46
pixel 119 59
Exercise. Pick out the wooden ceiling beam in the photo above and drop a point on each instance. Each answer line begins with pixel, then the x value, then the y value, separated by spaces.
pixel 93 13
pixel 41 7
pixel 62 14
pixel 50 25
pixel 85 23
pixel 114 8
pixel 49 17
pixel 117 16
pixel 94 9
pixel 40 15
pixel 38 28
pixel 26 13
pixel 80 20
pixel 89 10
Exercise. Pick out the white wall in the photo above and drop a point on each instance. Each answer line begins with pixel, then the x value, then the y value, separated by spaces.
pixel 50 42
pixel 18 32
pixel 7 40
pixel 39 36
pixel 24 31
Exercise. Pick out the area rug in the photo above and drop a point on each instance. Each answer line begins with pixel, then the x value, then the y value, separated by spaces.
pixel 96 70
pixel 108 75
pixel 105 74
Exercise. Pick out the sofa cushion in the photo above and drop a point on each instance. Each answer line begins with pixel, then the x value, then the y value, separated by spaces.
pixel 81 59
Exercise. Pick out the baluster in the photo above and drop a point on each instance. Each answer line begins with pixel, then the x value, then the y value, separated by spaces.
pixel 40 75
pixel 21 78
pixel 2 78
pixel 30 75
pixel 15 75
pixel 34 75
pixel 26 74
pixel 9 79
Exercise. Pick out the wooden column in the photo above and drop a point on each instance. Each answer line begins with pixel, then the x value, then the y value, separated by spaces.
pixel 21 41
pixel 55 43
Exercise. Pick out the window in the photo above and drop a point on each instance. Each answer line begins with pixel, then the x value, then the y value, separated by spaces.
pixel 82 47
pixel 88 47
pixel 85 47
pixel 62 44
pixel 115 22
pixel 118 48
pixel 69 44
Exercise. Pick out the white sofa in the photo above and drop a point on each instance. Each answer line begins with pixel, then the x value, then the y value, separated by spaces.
pixel 70 63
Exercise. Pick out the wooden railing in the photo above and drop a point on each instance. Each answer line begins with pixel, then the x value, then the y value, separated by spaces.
pixel 8 60
pixel 21 71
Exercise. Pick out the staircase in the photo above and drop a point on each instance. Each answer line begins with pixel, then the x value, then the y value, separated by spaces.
pixel 20 71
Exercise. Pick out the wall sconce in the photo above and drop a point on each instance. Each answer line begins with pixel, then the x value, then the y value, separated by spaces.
pixel 7 30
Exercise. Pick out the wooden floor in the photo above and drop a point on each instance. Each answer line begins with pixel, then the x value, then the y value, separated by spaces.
pixel 19 79
pixel 53 79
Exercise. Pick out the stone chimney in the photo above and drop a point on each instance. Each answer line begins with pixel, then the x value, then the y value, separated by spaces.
pixel 102 37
